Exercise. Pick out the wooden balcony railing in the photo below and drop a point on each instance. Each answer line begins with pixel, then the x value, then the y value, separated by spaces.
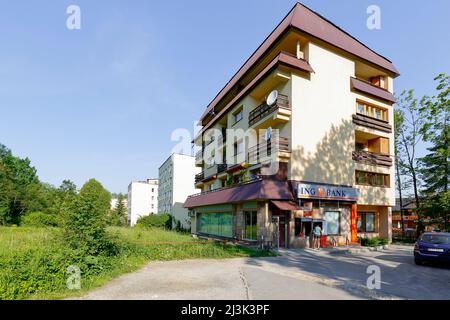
pixel 264 109
pixel 372 158
pixel 372 123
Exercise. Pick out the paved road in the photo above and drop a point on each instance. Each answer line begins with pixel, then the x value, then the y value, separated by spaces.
pixel 297 274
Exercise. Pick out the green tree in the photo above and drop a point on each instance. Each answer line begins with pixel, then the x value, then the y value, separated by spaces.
pixel 20 188
pixel 85 226
pixel 119 213
pixel 399 122
pixel 409 136
pixel 435 166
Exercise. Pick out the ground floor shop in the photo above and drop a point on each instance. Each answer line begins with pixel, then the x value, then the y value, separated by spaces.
pixel 289 220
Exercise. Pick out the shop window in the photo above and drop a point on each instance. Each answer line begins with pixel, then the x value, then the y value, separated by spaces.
pixel 333 222
pixel 251 226
pixel 219 224
pixel 366 222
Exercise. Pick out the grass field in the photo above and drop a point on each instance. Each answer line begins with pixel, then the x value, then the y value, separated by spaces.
pixel 34 261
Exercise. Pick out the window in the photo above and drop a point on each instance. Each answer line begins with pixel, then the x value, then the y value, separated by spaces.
pixel 333 222
pixel 238 115
pixel 239 147
pixel 366 222
pixel 371 111
pixel 219 224
pixel 251 226
pixel 372 179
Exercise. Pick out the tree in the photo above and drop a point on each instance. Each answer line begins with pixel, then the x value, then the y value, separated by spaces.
pixel 85 226
pixel 434 167
pixel 399 122
pixel 119 213
pixel 20 188
pixel 410 135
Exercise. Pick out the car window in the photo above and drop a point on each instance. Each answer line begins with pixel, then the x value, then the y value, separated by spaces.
pixel 436 238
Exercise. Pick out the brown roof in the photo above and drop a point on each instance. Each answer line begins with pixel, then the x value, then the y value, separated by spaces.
pixel 306 20
pixel 367 87
pixel 258 190
pixel 283 58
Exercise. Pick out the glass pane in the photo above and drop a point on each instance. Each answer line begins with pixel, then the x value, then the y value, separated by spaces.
pixel 370 222
pixel 332 218
pixel 359 222
pixel 254 226
pixel 360 108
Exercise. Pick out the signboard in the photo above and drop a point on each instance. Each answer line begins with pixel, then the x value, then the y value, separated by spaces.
pixel 326 192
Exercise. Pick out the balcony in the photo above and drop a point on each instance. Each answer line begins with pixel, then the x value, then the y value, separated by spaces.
pixel 370 158
pixel 199 158
pixel 272 150
pixel 199 177
pixel 280 111
pixel 372 123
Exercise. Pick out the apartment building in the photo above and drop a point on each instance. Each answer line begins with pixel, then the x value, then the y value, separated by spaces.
pixel 142 199
pixel 176 182
pixel 300 136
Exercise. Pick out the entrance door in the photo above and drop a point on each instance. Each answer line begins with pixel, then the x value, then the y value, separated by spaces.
pixel 283 229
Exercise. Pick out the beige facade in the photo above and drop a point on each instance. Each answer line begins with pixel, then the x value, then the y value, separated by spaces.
pixel 331 128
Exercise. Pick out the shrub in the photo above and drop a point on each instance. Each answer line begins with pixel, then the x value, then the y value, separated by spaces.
pixel 163 220
pixel 39 219
pixel 373 242
pixel 85 225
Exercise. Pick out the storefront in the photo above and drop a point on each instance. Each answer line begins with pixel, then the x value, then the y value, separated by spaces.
pixel 284 214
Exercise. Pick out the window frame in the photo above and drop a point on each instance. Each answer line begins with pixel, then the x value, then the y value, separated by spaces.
pixel 369 110
pixel 328 223
pixel 371 179
pixel 363 215
pixel 240 111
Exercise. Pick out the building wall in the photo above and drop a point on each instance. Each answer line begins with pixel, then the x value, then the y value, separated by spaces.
pixel 142 200
pixel 177 175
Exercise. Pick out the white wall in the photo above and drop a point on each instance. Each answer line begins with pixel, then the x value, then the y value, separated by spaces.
pixel 177 177
pixel 142 200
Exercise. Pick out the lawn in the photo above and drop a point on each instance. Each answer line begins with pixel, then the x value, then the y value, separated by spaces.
pixel 34 261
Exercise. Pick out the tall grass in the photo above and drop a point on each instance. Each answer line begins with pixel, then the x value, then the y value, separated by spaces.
pixel 33 261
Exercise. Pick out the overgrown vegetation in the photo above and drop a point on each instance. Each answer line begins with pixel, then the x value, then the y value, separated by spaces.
pixel 34 261
pixel 373 242
pixel 162 220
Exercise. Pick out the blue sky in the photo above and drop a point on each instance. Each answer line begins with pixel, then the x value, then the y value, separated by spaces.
pixel 103 101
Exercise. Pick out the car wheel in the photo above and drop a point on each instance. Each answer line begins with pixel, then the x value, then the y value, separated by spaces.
pixel 418 262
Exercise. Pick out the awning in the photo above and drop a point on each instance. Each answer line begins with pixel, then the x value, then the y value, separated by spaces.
pixel 285 205
pixel 263 189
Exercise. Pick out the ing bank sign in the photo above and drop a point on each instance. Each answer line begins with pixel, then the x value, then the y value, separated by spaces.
pixel 317 191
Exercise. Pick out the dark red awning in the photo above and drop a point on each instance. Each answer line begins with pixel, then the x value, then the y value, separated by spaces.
pixel 285 205
pixel 264 189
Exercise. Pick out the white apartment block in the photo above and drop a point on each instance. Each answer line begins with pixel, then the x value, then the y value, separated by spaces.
pixel 176 183
pixel 142 199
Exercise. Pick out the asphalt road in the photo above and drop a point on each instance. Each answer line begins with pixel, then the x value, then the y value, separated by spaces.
pixel 296 274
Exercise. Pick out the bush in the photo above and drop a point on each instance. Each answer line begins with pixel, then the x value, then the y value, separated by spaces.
pixel 163 220
pixel 373 242
pixel 39 219
pixel 85 225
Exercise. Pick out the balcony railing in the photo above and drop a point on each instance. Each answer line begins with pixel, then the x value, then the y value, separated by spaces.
pixel 266 149
pixel 372 123
pixel 372 158
pixel 264 109
pixel 199 177
pixel 221 167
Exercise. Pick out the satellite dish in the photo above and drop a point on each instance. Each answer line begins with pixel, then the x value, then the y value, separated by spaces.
pixel 268 134
pixel 272 98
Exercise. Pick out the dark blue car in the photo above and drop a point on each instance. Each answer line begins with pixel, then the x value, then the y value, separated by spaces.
pixel 432 246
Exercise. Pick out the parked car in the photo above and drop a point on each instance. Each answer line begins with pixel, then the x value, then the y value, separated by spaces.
pixel 432 246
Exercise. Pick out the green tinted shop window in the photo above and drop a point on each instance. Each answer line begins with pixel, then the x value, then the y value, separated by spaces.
pixel 219 224
pixel 251 227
